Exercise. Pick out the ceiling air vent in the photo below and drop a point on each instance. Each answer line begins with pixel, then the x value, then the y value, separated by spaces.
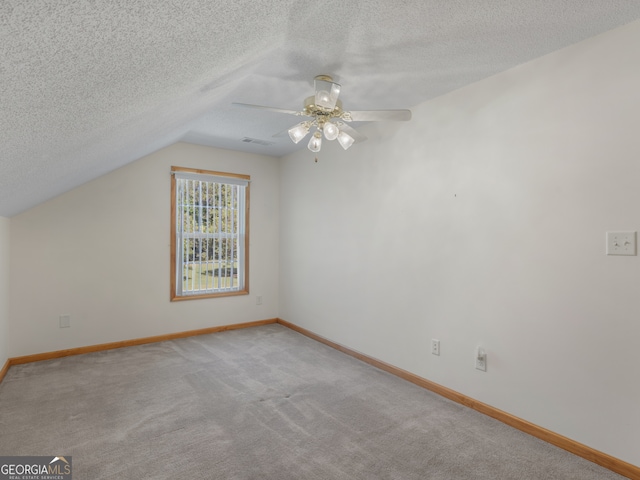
pixel 257 141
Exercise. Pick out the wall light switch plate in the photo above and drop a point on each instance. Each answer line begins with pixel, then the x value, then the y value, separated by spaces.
pixel 481 359
pixel 621 243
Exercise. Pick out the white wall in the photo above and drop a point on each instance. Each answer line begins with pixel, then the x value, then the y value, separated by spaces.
pixel 100 253
pixel 4 290
pixel 482 222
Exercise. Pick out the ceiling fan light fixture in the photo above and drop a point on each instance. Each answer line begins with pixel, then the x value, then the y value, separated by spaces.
pixel 323 98
pixel 327 92
pixel 299 131
pixel 326 116
pixel 345 140
pixel 315 144
pixel 331 131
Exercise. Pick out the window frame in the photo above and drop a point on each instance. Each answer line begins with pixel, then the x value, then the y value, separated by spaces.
pixel 174 295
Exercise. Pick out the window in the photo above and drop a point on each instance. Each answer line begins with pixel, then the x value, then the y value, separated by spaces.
pixel 209 233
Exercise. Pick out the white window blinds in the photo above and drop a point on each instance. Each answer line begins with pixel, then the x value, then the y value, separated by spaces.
pixel 210 233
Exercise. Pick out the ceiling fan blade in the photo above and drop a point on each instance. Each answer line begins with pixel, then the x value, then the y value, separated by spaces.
pixel 271 109
pixel 281 133
pixel 356 135
pixel 379 115
pixel 327 92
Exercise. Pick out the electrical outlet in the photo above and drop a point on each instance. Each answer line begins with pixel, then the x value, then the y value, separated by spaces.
pixel 65 321
pixel 621 243
pixel 435 347
pixel 481 360
pixel 259 300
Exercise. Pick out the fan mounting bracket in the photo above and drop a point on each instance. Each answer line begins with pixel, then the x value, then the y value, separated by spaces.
pixel 325 78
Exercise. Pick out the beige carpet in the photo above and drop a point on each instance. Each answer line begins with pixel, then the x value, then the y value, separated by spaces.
pixel 259 403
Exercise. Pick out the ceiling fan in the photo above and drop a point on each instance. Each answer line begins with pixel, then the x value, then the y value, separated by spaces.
pixel 327 116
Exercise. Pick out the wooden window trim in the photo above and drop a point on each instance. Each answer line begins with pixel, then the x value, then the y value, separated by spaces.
pixel 173 256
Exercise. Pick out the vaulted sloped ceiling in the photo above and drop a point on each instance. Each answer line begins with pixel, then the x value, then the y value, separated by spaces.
pixel 87 86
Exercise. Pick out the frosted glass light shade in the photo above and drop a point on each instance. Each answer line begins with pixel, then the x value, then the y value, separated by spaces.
pixel 323 98
pixel 330 131
pixel 316 142
pixel 326 93
pixel 345 140
pixel 298 132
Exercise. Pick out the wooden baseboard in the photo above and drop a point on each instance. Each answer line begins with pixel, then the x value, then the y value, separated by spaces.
pixel 607 461
pixel 4 370
pixel 38 357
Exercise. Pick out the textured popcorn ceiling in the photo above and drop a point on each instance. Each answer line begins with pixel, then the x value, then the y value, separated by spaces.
pixel 87 86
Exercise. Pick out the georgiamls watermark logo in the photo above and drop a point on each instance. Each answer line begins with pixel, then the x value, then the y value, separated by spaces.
pixel 35 468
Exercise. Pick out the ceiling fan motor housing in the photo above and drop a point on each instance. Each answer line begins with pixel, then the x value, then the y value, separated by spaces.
pixel 313 110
